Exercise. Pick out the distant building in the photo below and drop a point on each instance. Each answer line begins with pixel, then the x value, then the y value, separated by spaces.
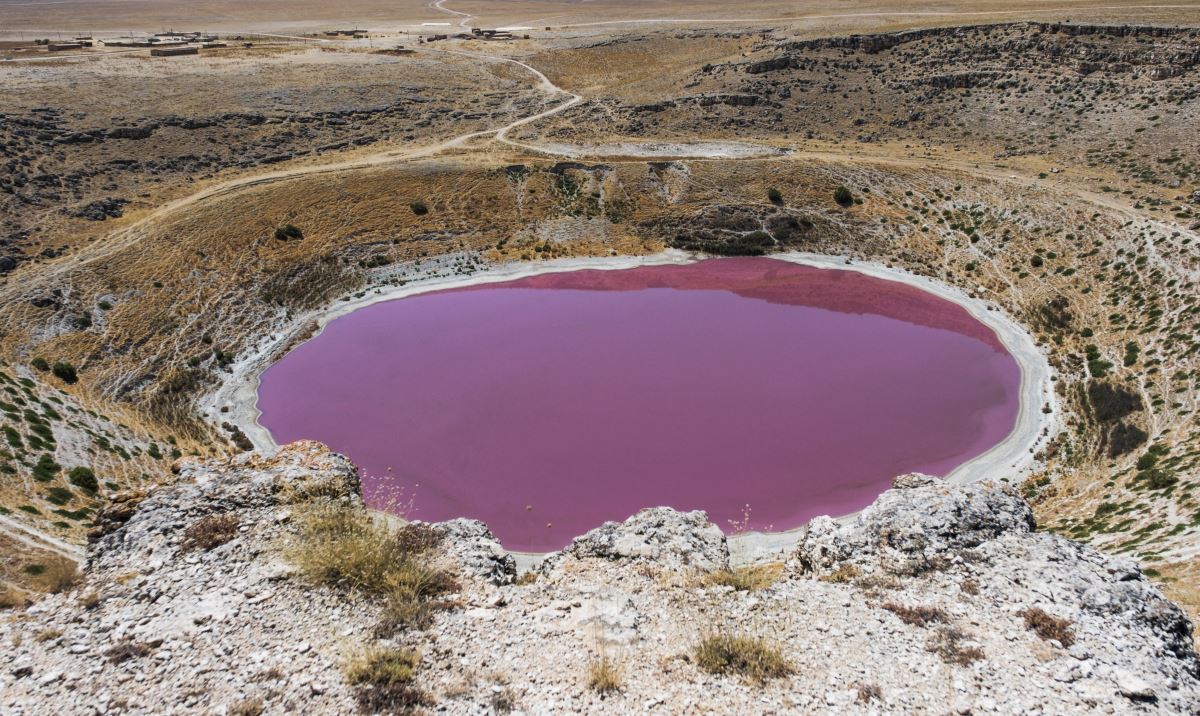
pixel 173 51
pixel 62 46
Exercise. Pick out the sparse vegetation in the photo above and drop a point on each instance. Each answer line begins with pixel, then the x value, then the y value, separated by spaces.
pixel 384 679
pixel 84 478
pixel 604 675
pixel 742 655
pixel 843 196
pixel 745 579
pixel 210 532
pixel 126 650
pixel 1049 627
pixel 917 616
pixel 57 575
pixel 65 372
pixel 250 706
pixel 342 546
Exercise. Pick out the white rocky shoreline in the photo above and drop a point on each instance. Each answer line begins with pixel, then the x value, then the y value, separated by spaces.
pixel 155 629
pixel 235 400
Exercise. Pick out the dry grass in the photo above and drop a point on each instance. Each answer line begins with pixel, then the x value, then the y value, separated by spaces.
pixel 57 575
pixel 844 573
pixel 252 706
pixel 383 678
pixel 747 656
pixel 341 545
pixel 11 597
pixel 745 579
pixel 604 676
pixel 1048 626
pixel 381 665
pixel 868 693
pixel 210 532
pixel 126 650
pixel 47 635
pixel 947 642
pixel 921 616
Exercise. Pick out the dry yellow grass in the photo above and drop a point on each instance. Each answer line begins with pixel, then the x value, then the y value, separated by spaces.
pixel 750 657
pixel 745 579
pixel 604 675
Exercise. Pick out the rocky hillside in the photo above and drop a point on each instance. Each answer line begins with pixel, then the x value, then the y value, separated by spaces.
pixel 257 585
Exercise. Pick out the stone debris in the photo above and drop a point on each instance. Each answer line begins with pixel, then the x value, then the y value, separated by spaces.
pixel 157 630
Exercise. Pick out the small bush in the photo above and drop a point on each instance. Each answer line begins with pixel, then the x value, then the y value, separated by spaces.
pixel 774 196
pixel 343 546
pixel 844 573
pixel 65 372
pixel 843 196
pixel 40 364
pixel 419 208
pixel 746 656
pixel 83 478
pixel 340 545
pixel 288 232
pixel 210 532
pixel 946 642
pixel 126 650
pixel 745 579
pixel 604 676
pixel 46 469
pixel 1049 627
pixel 391 699
pixel 868 693
pixel 917 616
pixel 381 665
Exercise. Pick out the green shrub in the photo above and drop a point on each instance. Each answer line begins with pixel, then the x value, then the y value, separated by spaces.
pixel 843 196
pixel 83 478
pixel 65 372
pixel 774 196
pixel 419 208
pixel 59 495
pixel 40 364
pixel 46 469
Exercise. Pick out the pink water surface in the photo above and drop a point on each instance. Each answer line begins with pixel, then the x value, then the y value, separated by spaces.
pixel 545 406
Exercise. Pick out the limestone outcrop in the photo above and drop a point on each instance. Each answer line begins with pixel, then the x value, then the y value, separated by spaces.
pixel 938 598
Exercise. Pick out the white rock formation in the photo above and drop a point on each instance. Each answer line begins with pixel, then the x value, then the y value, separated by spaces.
pixel 156 630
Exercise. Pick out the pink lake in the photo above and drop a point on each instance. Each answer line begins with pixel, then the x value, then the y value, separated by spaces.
pixel 547 405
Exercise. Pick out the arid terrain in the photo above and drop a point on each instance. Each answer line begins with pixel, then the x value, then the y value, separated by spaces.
pixel 168 224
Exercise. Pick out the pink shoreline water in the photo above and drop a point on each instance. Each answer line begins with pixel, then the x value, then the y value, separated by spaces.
pixel 548 405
